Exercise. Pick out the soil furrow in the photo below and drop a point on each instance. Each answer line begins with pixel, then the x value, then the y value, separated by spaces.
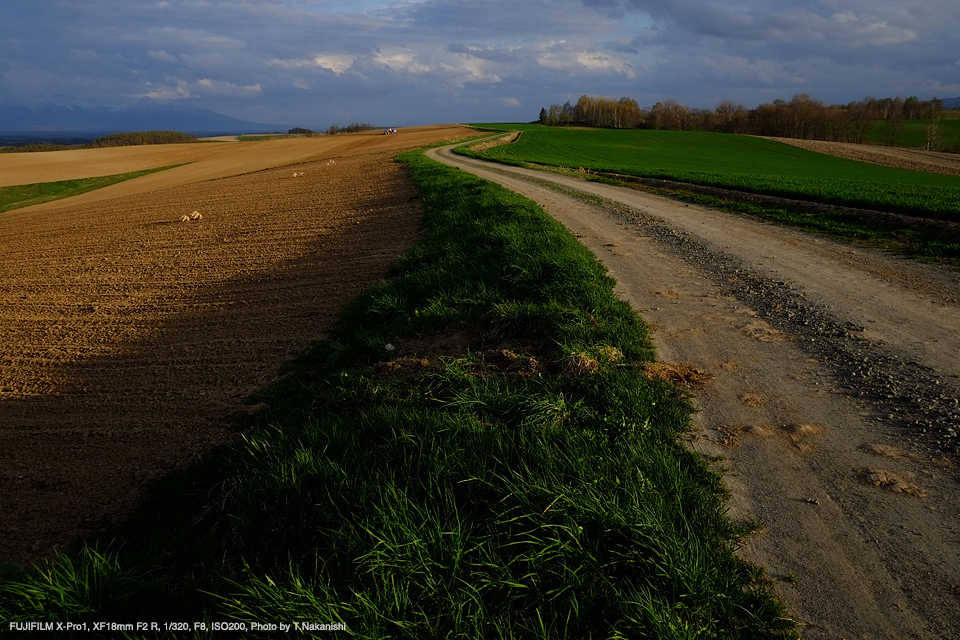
pixel 128 339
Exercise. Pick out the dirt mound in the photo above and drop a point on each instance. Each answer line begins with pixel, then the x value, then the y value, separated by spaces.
pixel 128 338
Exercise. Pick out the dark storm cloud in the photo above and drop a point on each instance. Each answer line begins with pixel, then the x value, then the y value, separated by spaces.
pixel 444 60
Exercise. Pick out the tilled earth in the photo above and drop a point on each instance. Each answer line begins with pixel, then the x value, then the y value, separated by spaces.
pixel 128 339
pixel 914 159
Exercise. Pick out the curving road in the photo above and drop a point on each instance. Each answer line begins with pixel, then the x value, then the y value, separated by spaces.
pixel 833 400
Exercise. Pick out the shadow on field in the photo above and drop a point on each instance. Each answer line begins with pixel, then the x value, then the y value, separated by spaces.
pixel 112 380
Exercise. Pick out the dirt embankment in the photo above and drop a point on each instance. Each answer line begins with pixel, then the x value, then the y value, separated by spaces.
pixel 496 142
pixel 128 338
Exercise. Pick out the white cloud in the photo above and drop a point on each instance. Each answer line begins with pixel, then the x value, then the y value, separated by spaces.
pixel 471 70
pixel 336 62
pixel 511 102
pixel 291 63
pixel 868 30
pixel 399 60
pixel 221 88
pixel 179 92
pixel 161 56
pixel 571 59
pixel 183 90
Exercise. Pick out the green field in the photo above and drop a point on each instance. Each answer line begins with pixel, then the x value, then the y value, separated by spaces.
pixel 521 477
pixel 915 134
pixel 25 195
pixel 737 162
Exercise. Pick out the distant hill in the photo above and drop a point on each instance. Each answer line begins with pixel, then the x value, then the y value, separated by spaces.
pixel 951 103
pixel 62 120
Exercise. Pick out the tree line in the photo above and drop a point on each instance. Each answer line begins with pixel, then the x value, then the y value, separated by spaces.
pixel 353 127
pixel 801 117
pixel 143 137
pixel 111 140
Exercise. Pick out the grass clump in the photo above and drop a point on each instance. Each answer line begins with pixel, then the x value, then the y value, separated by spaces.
pixel 474 452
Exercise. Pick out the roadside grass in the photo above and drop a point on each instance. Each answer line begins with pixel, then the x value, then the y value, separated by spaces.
pixel 475 451
pixel 25 195
pixel 901 237
pixel 737 162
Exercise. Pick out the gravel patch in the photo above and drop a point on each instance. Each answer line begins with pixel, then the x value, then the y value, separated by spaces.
pixel 906 393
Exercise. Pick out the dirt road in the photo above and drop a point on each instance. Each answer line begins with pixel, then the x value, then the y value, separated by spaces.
pixel 128 338
pixel 833 401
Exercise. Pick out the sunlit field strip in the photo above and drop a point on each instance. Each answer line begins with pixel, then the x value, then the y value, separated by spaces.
pixel 25 195
pixel 737 162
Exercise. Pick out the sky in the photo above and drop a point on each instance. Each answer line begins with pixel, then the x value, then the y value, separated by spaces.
pixel 400 63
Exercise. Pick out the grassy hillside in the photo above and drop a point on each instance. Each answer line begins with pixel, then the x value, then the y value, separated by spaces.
pixel 737 162
pixel 475 451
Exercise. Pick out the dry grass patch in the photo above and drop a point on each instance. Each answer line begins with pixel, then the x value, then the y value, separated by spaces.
pixel 686 375
pixel 489 144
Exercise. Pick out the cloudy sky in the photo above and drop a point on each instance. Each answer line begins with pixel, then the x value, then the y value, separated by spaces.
pixel 400 62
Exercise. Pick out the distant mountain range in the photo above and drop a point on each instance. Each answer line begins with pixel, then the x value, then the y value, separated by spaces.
pixel 951 103
pixel 64 120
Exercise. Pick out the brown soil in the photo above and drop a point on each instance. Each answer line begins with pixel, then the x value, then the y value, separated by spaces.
pixel 914 159
pixel 857 491
pixel 128 338
pixel 53 166
pixel 496 142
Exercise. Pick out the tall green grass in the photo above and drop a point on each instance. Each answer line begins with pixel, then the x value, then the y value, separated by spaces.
pixel 507 472
pixel 738 162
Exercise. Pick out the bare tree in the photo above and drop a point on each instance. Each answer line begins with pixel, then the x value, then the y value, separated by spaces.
pixel 895 122
pixel 731 117
pixel 859 120
pixel 932 129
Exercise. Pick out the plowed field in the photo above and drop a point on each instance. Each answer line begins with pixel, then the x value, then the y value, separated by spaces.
pixel 128 338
